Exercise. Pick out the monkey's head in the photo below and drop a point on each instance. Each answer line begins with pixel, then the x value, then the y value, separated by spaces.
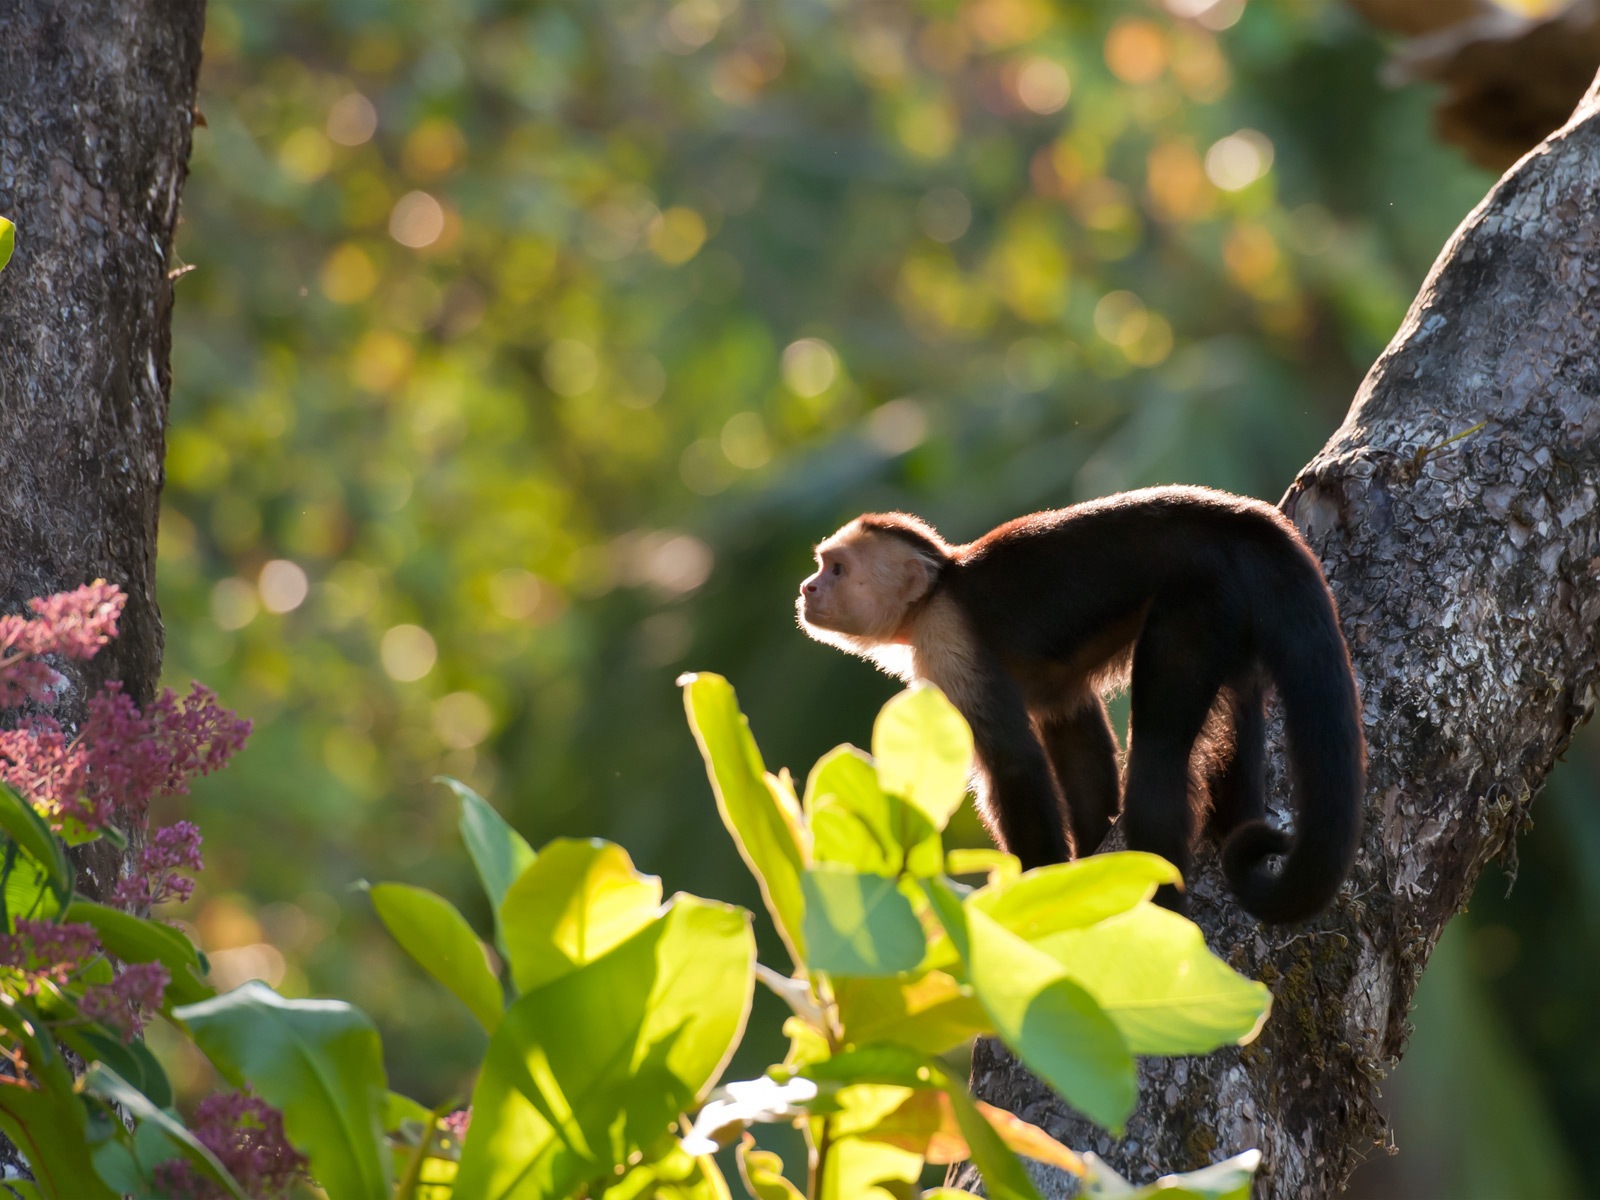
pixel 871 578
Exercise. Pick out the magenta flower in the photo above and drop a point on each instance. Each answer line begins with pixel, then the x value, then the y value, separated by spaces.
pixel 44 951
pixel 119 1005
pixel 73 624
pixel 246 1133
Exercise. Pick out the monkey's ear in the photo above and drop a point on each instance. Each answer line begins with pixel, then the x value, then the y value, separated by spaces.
pixel 918 578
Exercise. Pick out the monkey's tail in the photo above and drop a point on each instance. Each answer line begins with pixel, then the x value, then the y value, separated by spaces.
pixel 1304 653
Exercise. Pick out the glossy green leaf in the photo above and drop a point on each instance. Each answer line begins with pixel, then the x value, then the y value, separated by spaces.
pixel 1003 1175
pixel 321 1062
pixel 430 929
pixel 997 864
pixel 23 824
pixel 1051 1023
pixel 931 1013
pixel 138 939
pixel 1074 894
pixel 132 1062
pixel 923 751
pixel 755 809
pixel 595 1065
pixel 761 1171
pixel 1231 1179
pixel 51 1127
pixel 858 1169
pixel 573 904
pixel 29 891
pixel 858 924
pixel 8 241
pixel 856 823
pixel 498 852
pixel 100 1080
pixel 1151 972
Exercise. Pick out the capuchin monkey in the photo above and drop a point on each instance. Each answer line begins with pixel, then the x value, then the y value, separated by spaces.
pixel 1199 599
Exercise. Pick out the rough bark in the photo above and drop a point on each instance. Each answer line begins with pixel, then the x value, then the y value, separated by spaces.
pixel 1468 578
pixel 96 111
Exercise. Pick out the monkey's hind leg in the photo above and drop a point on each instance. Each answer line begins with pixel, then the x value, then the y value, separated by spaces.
pixel 1186 651
pixel 1083 754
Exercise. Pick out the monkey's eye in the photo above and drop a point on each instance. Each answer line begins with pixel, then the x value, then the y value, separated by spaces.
pixel 838 568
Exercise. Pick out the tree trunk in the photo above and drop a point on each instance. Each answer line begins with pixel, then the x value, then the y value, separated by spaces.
pixel 1456 514
pixel 96 112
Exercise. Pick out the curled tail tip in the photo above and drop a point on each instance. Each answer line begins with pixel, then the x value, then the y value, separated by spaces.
pixel 1266 894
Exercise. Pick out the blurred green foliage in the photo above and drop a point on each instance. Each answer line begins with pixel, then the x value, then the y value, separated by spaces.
pixel 527 347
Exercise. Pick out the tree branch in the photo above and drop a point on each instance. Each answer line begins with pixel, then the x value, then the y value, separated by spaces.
pixel 1456 514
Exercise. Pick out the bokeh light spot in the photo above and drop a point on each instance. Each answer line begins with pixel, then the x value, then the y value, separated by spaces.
pixel 944 214
pixel 283 586
pixel 897 426
pixel 461 720
pixel 745 442
pixel 407 652
pixel 305 155
pixel 677 234
pixel 417 220
pixel 348 275
pixel 570 367
pixel 809 366
pixel 1042 85
pixel 1136 50
pixel 1238 160
pixel 352 120
pixel 234 603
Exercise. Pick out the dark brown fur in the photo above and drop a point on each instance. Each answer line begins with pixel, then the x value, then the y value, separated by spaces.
pixel 1198 597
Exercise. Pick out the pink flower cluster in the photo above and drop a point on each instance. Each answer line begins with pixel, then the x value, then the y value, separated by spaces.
pixel 118 1005
pixel 121 757
pixel 155 878
pixel 73 624
pixel 246 1134
pixel 45 952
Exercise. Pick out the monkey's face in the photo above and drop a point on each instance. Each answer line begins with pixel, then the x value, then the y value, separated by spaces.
pixel 863 586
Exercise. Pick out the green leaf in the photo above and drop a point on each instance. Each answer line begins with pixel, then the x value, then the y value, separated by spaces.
pixel 321 1062
pixel 1003 1175
pixel 117 1168
pixel 1150 970
pixel 570 906
pixel 132 1061
pixel 29 891
pixel 1051 1023
pixel 50 1125
pixel 855 822
pixel 430 929
pixel 755 808
pixel 762 1174
pixel 498 851
pixel 997 864
pixel 858 924
pixel 858 1169
pixel 28 829
pixel 137 939
pixel 931 1013
pixel 594 1066
pixel 100 1080
pixel 8 240
pixel 1231 1179
pixel 1074 894
pixel 923 750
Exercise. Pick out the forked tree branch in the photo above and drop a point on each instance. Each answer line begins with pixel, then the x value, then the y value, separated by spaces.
pixel 1457 516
